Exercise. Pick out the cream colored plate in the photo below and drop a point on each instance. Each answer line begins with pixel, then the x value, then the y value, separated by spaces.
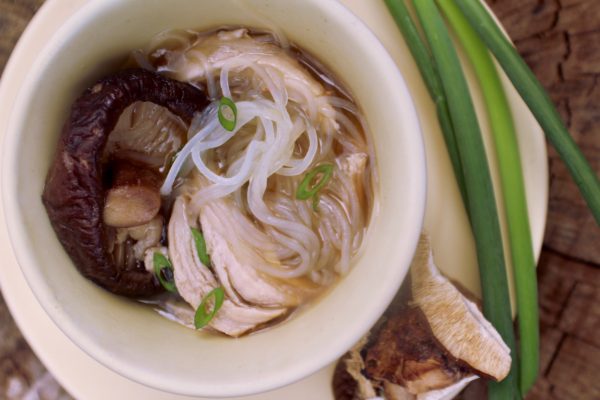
pixel 445 217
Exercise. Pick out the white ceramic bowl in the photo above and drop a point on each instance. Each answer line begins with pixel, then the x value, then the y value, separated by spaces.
pixel 130 338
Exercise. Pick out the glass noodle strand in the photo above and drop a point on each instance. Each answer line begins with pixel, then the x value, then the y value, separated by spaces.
pixel 285 127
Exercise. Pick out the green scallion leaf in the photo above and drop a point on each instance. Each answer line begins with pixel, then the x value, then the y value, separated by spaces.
pixel 307 188
pixel 201 247
pixel 513 191
pixel 481 202
pixel 428 70
pixel 164 271
pixel 538 101
pixel 227 113
pixel 203 315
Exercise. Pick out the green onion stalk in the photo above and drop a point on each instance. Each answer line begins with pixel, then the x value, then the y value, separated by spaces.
pixel 513 191
pixel 430 76
pixel 204 313
pixel 481 203
pixel 537 99
pixel 305 190
pixel 201 247
pixel 164 271
pixel 309 189
pixel 227 113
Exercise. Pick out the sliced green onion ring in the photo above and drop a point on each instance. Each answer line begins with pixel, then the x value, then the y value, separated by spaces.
pixel 227 113
pixel 201 247
pixel 204 316
pixel 164 271
pixel 305 191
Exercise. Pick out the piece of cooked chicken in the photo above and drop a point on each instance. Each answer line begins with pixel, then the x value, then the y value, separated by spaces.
pixel 195 280
pixel 239 265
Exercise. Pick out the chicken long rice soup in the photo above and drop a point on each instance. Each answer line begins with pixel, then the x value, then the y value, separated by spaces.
pixel 224 177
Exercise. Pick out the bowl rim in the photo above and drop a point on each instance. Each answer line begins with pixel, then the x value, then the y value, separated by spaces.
pixel 27 263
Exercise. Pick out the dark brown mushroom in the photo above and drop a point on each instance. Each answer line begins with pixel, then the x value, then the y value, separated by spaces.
pixel 405 352
pixel 431 341
pixel 74 194
pixel 343 384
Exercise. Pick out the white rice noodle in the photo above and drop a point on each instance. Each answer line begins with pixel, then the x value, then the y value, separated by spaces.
pixel 342 225
pixel 258 163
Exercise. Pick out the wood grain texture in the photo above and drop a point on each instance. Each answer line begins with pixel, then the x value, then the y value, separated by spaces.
pixel 560 40
pixel 22 375
pixel 574 374
pixel 14 17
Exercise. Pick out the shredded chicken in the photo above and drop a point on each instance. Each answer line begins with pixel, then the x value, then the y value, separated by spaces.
pixel 224 48
pixel 195 280
pixel 238 264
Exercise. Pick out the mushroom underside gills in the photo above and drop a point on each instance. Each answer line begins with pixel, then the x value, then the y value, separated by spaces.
pixel 431 342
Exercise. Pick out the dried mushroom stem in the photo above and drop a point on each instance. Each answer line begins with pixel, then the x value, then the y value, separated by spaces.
pixel 134 198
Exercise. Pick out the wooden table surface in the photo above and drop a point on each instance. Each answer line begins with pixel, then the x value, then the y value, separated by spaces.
pixel 560 40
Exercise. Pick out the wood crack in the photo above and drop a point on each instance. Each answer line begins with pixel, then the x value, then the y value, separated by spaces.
pixel 570 257
pixel 556 16
pixel 554 356
pixel 593 86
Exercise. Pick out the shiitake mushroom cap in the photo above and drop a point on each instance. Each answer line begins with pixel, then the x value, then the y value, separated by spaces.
pixel 74 193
